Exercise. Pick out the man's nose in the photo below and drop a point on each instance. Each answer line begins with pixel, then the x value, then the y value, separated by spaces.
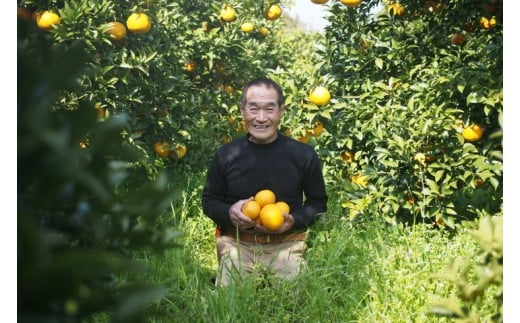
pixel 262 115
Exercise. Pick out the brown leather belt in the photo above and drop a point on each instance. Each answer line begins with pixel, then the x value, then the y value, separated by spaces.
pixel 263 238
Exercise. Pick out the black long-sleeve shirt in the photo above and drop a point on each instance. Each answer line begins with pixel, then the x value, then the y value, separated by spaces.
pixel 291 169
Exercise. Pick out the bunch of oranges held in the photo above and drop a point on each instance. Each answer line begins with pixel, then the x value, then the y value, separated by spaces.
pixel 265 210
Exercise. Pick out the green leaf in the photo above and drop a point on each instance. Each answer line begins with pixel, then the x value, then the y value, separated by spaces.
pixel 379 63
pixel 448 308
pixel 438 175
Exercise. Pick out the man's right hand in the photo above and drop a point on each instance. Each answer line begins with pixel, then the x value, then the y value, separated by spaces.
pixel 239 219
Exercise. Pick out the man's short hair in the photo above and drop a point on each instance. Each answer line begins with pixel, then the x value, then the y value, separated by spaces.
pixel 270 84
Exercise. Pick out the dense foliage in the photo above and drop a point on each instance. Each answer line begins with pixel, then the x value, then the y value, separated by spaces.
pixel 404 93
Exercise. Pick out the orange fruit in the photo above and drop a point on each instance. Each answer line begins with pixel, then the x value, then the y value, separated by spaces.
pixel 271 217
pixel 228 13
pixel 458 39
pixel 303 139
pixel 181 150
pixel 484 22
pixel 284 207
pixel 247 27
pixel 319 1
pixel 190 66
pixel 251 209
pixel 350 3
pixel 318 129
pixel 224 139
pixel 396 9
pixel 101 113
pixel 161 148
pixel 265 197
pixel 116 30
pixel 319 95
pixel 360 179
pixel 347 156
pixel 139 23
pixel 487 23
pixel 492 22
pixel 479 182
pixel 263 31
pixel 273 12
pixel 242 127
pixel 47 20
pixel 472 133
pixel 84 144
pixel 178 152
pixel 229 89
pixel 205 26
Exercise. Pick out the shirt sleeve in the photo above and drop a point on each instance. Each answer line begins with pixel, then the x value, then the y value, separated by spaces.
pixel 315 203
pixel 214 204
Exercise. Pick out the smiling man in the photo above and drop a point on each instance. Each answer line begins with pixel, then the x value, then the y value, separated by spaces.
pixel 264 159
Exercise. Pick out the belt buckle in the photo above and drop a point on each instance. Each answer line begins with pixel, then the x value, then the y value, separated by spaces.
pixel 262 238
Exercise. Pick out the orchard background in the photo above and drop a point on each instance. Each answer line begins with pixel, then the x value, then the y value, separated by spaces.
pixel 117 125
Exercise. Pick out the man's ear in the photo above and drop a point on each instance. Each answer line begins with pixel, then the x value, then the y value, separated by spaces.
pixel 282 108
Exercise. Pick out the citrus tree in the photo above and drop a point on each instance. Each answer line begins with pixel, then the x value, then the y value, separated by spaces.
pixel 175 68
pixel 116 100
pixel 415 115
pixel 80 215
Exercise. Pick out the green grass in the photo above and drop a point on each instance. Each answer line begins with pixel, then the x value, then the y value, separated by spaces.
pixel 367 271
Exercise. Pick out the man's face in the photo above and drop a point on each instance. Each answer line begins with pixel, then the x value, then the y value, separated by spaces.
pixel 262 114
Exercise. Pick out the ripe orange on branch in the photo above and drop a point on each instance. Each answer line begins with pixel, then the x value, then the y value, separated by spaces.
pixel 190 66
pixel 178 152
pixel 319 95
pixel 347 156
pixel 263 31
pixel 228 13
pixel 396 9
pixel 273 12
pixel 458 39
pixel 360 179
pixel 138 23
pixel 487 23
pixel 116 30
pixel 47 20
pixel 350 3
pixel 247 27
pixel 161 148
pixel 319 1
pixel 318 129
pixel 472 133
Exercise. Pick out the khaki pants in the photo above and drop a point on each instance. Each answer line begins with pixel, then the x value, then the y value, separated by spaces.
pixel 237 258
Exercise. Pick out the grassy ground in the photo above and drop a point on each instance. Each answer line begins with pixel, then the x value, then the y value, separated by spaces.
pixel 366 271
